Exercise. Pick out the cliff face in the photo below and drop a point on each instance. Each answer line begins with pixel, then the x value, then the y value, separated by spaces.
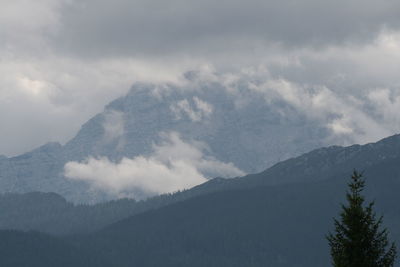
pixel 244 130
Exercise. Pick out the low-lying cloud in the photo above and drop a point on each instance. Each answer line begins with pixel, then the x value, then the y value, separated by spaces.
pixel 174 165
pixel 351 116
pixel 344 115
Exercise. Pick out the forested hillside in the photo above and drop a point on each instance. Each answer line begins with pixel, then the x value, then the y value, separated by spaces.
pixel 51 213
pixel 282 226
pixel 31 249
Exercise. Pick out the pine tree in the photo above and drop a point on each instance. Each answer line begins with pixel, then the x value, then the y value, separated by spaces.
pixel 359 241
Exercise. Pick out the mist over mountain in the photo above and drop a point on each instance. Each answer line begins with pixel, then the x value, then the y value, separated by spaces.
pixel 161 139
pixel 194 133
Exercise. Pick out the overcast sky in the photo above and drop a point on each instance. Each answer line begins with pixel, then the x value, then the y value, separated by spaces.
pixel 61 61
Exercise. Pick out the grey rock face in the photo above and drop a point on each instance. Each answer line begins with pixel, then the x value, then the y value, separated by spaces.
pixel 244 129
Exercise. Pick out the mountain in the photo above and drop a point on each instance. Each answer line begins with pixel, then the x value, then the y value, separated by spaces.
pixel 238 127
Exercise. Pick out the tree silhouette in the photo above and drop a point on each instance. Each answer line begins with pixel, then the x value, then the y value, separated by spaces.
pixel 359 241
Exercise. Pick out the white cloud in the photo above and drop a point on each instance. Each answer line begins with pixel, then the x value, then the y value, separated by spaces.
pixel 196 110
pixel 174 165
pixel 205 108
pixel 348 116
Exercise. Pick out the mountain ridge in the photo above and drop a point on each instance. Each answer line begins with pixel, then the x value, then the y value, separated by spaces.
pixel 328 163
pixel 252 136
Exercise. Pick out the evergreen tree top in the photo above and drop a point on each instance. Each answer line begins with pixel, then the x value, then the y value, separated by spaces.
pixel 358 240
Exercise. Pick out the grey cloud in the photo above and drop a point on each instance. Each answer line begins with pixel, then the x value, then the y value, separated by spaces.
pixel 343 115
pixel 62 60
pixel 346 70
pixel 156 27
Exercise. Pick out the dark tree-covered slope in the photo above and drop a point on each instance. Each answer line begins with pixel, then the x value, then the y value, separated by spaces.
pixel 276 218
pixel 280 226
pixel 52 214
pixel 31 249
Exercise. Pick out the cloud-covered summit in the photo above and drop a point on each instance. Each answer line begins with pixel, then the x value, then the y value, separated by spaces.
pixel 63 60
pixel 214 124
pixel 122 151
